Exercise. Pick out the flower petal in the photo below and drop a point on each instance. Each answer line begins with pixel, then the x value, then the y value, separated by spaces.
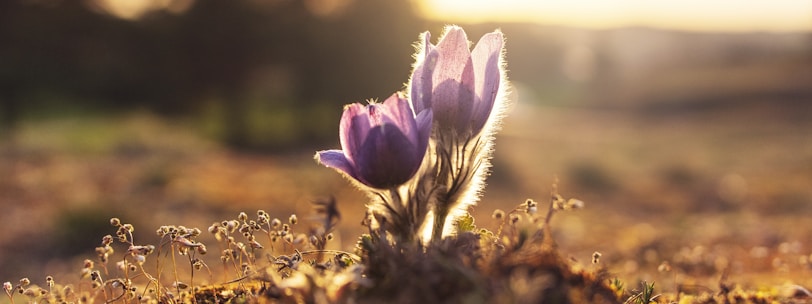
pixel 387 157
pixel 488 75
pixel 453 78
pixel 421 82
pixel 337 160
pixel 396 110
pixel 353 129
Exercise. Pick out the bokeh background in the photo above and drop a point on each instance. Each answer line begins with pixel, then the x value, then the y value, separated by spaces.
pixel 685 126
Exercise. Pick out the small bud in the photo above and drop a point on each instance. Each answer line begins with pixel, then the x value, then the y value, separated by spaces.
pixel 115 222
pixel 596 257
pixel 293 219
pixel 24 282
pixel 7 287
pixel 242 217
pixel 275 223
pixel 498 214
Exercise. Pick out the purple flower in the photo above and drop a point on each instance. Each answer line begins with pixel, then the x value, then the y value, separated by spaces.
pixel 459 85
pixel 383 144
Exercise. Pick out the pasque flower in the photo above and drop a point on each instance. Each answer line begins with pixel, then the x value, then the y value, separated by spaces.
pixel 383 144
pixel 464 88
pixel 459 85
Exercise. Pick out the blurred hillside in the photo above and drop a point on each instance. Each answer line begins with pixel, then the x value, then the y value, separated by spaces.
pixel 271 74
pixel 673 139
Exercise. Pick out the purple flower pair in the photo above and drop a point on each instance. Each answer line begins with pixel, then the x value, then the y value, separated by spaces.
pixel 383 144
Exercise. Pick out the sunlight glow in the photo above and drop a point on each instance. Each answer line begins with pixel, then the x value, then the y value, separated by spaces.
pixel 134 9
pixel 695 15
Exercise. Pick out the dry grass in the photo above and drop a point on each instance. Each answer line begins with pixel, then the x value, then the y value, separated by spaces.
pixel 720 198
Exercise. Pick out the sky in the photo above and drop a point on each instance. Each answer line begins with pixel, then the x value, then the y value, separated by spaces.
pixel 692 15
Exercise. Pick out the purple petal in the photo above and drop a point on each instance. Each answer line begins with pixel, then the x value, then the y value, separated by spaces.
pixel 387 158
pixel 421 85
pixel 396 110
pixel 335 159
pixel 485 57
pixel 453 98
pixel 353 129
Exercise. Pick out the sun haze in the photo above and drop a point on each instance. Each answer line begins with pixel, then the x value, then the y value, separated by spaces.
pixel 693 15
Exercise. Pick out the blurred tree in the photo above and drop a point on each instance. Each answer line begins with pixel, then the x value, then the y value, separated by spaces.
pixel 57 55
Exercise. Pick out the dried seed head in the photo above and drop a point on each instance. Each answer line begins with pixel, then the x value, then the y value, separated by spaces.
pixel 275 223
pixel 300 238
pixel 107 240
pixel 498 214
pixel 314 240
pixel 201 249
pixel 329 236
pixel 214 228
pixel 515 218
pixel 664 267
pixel 7 287
pixel 293 219
pixel 128 227
pixel 24 282
pixel 232 226
pixel 596 257
pixel 531 206
pixel 285 228
pixel 88 264
pixel 574 204
pixel 242 217
pixel 122 265
pixel 180 285
pixel 115 222
pixel 197 264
